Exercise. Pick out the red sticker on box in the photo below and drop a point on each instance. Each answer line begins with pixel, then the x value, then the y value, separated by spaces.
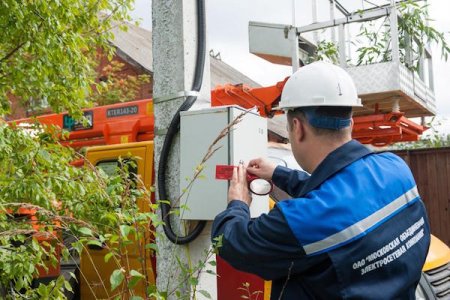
pixel 224 172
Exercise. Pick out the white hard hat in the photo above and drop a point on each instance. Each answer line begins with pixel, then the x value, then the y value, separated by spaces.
pixel 319 84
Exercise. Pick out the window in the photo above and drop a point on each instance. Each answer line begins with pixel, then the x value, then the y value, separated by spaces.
pixel 36 106
pixel 110 167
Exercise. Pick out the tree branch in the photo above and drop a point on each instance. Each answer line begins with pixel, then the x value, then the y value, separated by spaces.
pixel 11 53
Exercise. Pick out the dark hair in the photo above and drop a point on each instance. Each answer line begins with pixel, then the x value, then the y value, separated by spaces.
pixel 341 112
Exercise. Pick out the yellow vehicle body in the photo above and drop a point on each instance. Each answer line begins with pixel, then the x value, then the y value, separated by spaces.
pixel 94 271
pixel 438 255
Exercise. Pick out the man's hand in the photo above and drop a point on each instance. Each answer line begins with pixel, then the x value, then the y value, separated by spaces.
pixel 238 186
pixel 262 167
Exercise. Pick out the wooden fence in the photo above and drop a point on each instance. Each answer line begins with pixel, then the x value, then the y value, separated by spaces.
pixel 431 169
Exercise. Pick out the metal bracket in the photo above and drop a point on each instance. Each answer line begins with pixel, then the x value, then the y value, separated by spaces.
pixel 175 96
pixel 160 131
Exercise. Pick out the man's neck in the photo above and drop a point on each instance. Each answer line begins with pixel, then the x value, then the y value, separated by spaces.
pixel 320 150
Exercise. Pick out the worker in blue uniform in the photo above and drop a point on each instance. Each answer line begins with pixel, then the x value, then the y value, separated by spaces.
pixel 355 228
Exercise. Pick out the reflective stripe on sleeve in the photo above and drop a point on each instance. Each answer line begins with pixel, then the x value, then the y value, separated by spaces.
pixel 362 226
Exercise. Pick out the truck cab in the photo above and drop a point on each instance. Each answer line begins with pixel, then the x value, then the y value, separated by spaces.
pixel 94 282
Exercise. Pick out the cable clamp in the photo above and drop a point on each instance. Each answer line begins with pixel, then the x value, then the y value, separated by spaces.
pixel 160 131
pixel 175 96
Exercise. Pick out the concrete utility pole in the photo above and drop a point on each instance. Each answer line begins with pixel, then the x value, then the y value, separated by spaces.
pixel 174 58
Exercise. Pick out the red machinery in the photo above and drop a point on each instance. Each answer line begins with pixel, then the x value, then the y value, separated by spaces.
pixel 105 125
pixel 265 98
pixel 377 129
pixel 134 122
pixel 384 129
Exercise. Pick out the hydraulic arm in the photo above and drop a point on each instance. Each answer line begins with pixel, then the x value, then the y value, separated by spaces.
pixel 376 129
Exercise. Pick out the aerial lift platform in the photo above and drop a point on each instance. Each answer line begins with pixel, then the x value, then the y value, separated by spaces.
pixel 391 91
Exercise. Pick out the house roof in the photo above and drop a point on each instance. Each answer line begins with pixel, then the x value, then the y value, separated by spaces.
pixel 135 46
pixel 222 73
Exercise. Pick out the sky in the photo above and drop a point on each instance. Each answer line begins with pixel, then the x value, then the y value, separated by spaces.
pixel 227 33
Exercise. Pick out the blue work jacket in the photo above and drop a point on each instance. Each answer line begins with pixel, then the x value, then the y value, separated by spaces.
pixel 355 229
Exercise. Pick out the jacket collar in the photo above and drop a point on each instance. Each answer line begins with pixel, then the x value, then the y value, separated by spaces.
pixel 333 163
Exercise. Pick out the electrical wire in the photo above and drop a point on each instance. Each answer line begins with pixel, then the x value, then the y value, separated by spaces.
pixel 174 128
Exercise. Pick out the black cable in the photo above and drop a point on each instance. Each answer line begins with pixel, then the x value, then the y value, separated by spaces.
pixel 174 128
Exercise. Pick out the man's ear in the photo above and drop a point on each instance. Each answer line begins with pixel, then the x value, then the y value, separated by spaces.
pixel 298 129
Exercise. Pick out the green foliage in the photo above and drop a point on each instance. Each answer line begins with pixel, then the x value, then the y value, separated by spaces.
pixel 413 26
pixel 248 293
pixel 190 275
pixel 117 86
pixel 84 204
pixel 326 51
pixel 75 208
pixel 116 278
pixel 414 34
pixel 47 49
pixel 431 139
pixel 377 40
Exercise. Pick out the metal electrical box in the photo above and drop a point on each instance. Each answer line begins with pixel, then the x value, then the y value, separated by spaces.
pixel 207 196
pixel 279 49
